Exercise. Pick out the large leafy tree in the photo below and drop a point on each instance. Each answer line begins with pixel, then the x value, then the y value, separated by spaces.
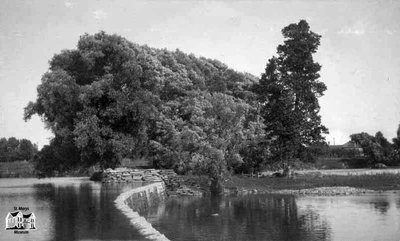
pixel 109 98
pixel 210 138
pixel 96 97
pixel 288 92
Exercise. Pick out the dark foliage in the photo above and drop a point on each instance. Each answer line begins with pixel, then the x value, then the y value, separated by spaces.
pixel 12 149
pixel 109 99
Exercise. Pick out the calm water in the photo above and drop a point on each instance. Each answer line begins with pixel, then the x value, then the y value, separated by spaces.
pixel 77 209
pixel 66 209
pixel 274 217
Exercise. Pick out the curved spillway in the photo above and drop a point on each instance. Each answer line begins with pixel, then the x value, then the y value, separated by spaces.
pixel 139 222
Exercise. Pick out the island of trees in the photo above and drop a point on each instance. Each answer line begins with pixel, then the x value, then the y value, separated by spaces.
pixel 110 99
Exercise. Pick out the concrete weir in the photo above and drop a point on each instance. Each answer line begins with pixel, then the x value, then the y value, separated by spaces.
pixel 129 202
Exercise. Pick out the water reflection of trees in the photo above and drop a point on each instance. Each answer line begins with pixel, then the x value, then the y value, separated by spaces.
pixel 259 217
pixel 85 212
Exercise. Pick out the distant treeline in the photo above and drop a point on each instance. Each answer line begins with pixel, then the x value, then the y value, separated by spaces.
pixel 13 149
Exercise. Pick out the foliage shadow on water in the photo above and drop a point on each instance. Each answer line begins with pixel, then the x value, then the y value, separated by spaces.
pixel 86 211
pixel 254 217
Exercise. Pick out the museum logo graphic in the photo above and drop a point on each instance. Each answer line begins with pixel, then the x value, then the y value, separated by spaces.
pixel 18 221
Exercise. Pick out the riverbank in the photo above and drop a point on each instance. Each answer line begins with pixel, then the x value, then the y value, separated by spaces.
pixel 303 182
pixel 315 184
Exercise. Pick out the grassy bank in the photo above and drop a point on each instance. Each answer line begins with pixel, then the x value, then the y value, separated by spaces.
pixel 378 182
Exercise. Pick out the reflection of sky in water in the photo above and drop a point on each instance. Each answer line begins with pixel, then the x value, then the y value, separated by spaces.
pixel 366 217
pixel 258 217
pixel 67 209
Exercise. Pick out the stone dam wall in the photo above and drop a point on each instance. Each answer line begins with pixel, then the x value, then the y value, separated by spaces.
pixel 174 184
pixel 135 175
pixel 157 184
pixel 133 201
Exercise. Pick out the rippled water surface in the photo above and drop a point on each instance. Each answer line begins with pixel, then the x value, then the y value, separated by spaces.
pixel 277 217
pixel 78 209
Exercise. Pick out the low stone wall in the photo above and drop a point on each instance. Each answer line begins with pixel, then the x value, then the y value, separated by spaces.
pixel 174 184
pixel 132 201
pixel 131 175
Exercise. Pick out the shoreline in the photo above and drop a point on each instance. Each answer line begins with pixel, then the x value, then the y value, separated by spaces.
pixel 319 191
pixel 304 182
pixel 315 184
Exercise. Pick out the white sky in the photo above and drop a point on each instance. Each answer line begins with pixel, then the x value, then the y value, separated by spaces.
pixel 359 52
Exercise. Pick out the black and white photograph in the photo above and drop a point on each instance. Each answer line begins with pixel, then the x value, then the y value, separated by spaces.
pixel 199 120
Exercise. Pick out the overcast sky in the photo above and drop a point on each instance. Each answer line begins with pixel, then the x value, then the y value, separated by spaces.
pixel 359 52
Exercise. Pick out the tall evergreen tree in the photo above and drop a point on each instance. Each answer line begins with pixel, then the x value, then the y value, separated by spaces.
pixel 289 91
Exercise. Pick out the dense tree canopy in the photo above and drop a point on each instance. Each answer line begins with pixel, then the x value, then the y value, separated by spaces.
pixel 109 98
pixel 288 92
